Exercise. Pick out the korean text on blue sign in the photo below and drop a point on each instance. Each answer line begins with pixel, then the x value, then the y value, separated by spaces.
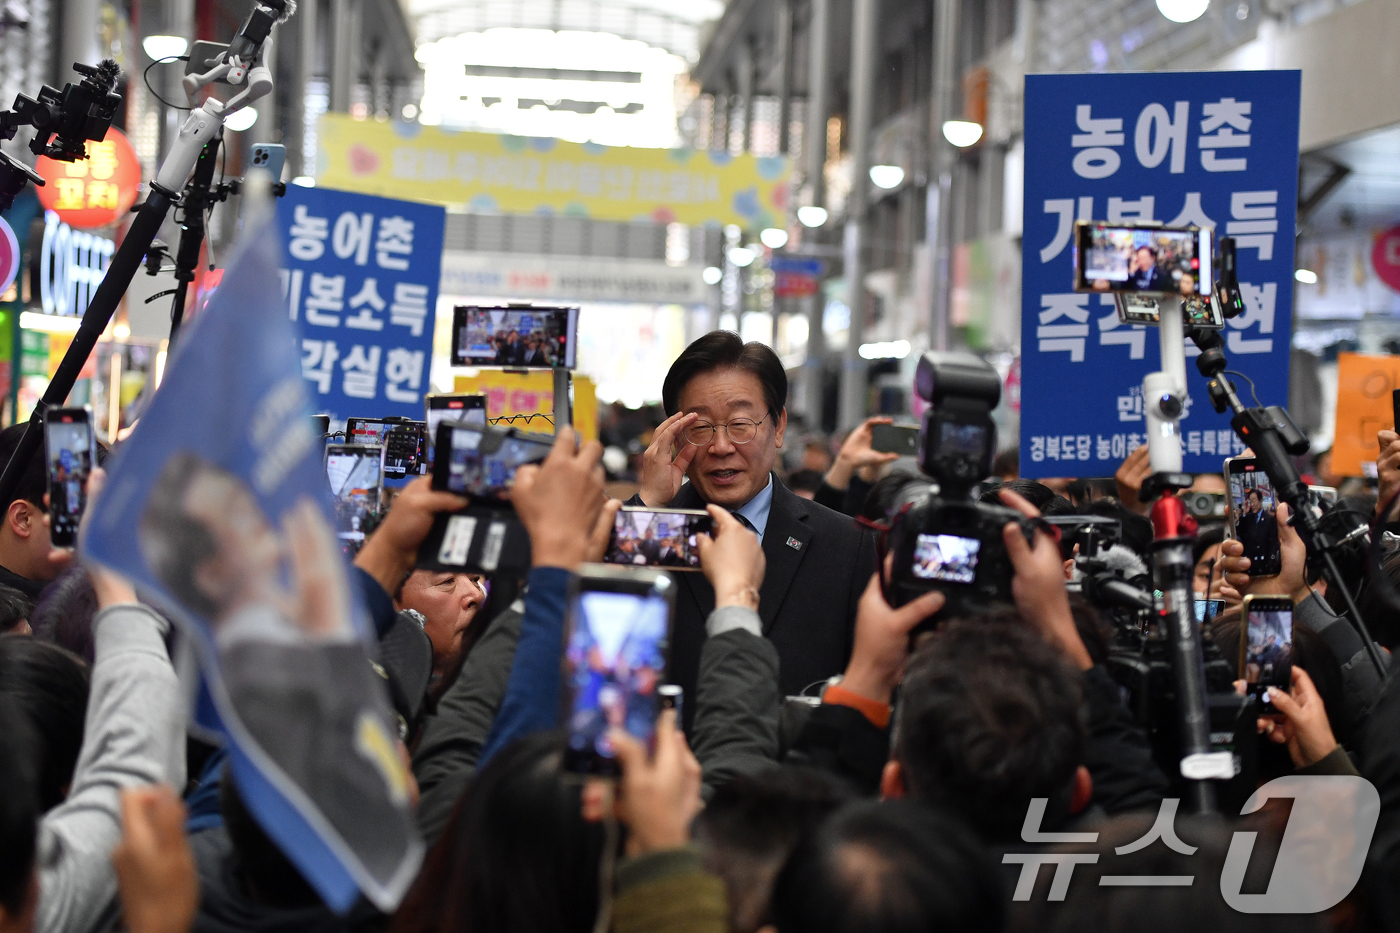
pixel 1211 149
pixel 361 280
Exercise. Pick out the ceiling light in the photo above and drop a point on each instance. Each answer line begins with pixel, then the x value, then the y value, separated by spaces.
pixel 241 119
pixel 1306 276
pixel 886 176
pixel 1183 11
pixel 712 275
pixel 158 47
pixel 741 256
pixel 893 350
pixel 962 133
pixel 774 237
pixel 304 181
pixel 811 215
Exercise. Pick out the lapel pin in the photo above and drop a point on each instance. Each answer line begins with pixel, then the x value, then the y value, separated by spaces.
pixel 794 544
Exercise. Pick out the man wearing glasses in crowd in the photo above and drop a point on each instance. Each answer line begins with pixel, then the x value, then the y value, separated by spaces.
pixel 726 401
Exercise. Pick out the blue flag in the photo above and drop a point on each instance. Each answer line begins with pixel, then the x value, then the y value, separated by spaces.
pixel 217 507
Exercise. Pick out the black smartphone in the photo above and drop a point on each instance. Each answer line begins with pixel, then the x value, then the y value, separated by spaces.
pixel 70 451
pixel 902 439
pixel 1253 515
pixel 614 660
pixel 321 425
pixel 1142 260
pixel 514 337
pixel 405 444
pixel 1208 609
pixel 481 461
pixel 466 409
pixel 1266 647
pixel 666 538
pixel 356 475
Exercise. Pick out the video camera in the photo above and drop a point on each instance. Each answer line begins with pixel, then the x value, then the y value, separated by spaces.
pixel 64 121
pixel 940 536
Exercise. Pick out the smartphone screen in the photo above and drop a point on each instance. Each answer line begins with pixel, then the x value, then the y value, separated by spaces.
pixel 356 474
pixel 895 439
pixel 1147 260
pixel 615 660
pixel 68 456
pixel 514 338
pixel 1208 609
pixel 1253 515
pixel 1266 656
pixel 946 558
pixel 404 443
pixel 657 538
pixel 482 462
pixel 464 409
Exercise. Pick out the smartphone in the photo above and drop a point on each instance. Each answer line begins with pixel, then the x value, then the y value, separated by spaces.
pixel 321 424
pixel 1266 647
pixel 481 461
pixel 356 475
pixel 405 445
pixel 902 439
pixel 1139 309
pixel 1323 494
pixel 1253 520
pixel 657 538
pixel 70 451
pixel 614 660
pixel 270 156
pixel 1208 609
pixel 466 409
pixel 1142 259
pixel 514 337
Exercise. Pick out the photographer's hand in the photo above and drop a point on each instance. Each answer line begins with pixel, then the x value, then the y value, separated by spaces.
pixel 559 501
pixel 882 641
pixel 659 795
pixel 1387 470
pixel 1038 584
pixel 602 531
pixel 857 454
pixel 1304 727
pixel 391 550
pixel 1290 581
pixel 663 465
pixel 732 560
pixel 1130 476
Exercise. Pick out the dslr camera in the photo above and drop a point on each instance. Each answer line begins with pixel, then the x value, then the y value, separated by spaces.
pixel 940 536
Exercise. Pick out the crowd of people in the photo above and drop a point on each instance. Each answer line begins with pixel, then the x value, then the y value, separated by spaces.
pixel 826 772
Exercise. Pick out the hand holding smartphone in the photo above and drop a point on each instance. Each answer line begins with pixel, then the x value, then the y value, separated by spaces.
pixel 70 453
pixel 1253 519
pixel 666 538
pixel 902 439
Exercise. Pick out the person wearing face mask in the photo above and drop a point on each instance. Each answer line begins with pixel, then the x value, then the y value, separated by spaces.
pixel 726 401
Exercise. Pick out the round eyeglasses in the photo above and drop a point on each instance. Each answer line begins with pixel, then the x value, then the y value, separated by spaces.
pixel 740 431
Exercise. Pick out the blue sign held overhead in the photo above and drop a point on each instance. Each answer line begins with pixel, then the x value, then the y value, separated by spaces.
pixel 1213 149
pixel 360 279
pixel 227 525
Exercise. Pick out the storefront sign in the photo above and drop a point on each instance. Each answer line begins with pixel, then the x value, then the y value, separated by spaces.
pixel 795 278
pixel 96 191
pixel 483 275
pixel 1385 256
pixel 71 264
pixel 9 256
pixel 360 278
pixel 1213 149
pixel 484 172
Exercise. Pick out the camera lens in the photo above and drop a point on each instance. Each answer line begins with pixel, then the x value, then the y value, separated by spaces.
pixel 1169 406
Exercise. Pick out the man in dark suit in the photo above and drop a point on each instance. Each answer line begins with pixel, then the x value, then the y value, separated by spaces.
pixel 727 423
pixel 1258 530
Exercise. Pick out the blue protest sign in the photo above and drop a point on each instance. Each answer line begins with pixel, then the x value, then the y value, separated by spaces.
pixel 360 279
pixel 1213 149
pixel 226 523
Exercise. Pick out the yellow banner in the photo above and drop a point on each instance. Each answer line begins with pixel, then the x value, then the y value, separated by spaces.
pixel 531 393
pixel 487 173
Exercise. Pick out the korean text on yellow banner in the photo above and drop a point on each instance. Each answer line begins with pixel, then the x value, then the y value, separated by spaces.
pixel 486 172
pixel 531 393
